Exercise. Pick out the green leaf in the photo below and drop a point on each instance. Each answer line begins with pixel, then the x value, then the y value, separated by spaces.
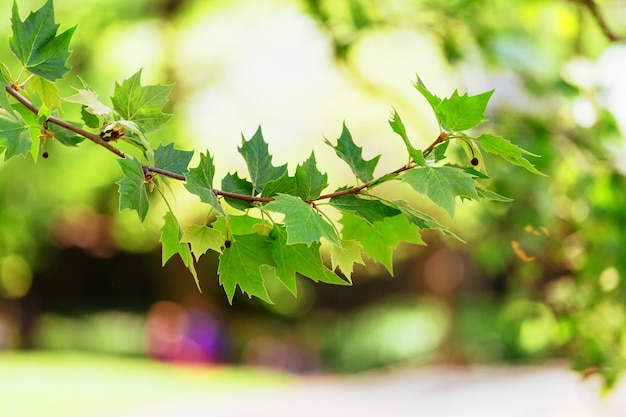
pixel 171 239
pixel 135 136
pixel 15 133
pixel 300 258
pixel 304 224
pixel 345 256
pixel 173 160
pixel 133 191
pixel 380 239
pixel 493 196
pixel 510 152
pixel 64 136
pixel 285 185
pixel 422 220
pixel 432 99
pixel 462 112
pixel 36 44
pixel 310 182
pixel 352 155
pixel 47 91
pixel 368 209
pixel 237 225
pixel 441 184
pixel 6 73
pixel 203 238
pixel 233 184
pixel 90 119
pixel 199 181
pixel 240 265
pixel 141 104
pixel 259 161
pixel 398 126
pixel 440 151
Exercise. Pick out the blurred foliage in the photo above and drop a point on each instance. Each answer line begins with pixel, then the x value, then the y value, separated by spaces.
pixel 553 259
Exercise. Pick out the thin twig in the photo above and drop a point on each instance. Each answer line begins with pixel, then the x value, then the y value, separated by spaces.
pixel 98 140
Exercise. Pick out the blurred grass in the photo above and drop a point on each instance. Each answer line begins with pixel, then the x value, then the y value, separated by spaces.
pixel 72 384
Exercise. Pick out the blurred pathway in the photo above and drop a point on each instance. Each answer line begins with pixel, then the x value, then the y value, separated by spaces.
pixel 434 392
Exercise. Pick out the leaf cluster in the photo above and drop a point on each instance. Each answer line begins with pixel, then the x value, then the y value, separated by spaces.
pixel 270 223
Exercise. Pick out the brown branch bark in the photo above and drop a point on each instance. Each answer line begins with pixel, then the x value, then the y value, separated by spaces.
pixel 148 169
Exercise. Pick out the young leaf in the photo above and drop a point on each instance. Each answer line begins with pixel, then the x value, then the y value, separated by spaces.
pixel 345 256
pixel 441 184
pixel 423 220
pixel 203 238
pixel 199 181
pixel 173 160
pixel 90 100
pixel 141 104
pixel 241 265
pixel 36 44
pixel 133 192
pixel 47 91
pixel 370 210
pixel 304 224
pixel 510 152
pixel 432 99
pixel 15 132
pixel 300 258
pixel 462 112
pixel 233 184
pixel 398 126
pixel 259 161
pixel 310 182
pixel 380 239
pixel 237 225
pixel 170 238
pixel 352 155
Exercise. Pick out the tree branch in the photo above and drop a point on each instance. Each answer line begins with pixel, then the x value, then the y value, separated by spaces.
pixel 148 169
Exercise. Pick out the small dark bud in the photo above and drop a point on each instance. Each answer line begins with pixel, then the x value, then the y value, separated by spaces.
pixel 474 161
pixel 45 155
pixel 227 244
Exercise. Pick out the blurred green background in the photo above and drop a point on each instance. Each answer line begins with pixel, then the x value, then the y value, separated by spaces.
pixel 539 278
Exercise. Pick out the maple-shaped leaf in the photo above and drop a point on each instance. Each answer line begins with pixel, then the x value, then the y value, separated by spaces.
pixel 241 265
pixel 398 126
pixel 507 150
pixel 199 181
pixel 171 241
pixel 345 256
pixel 432 99
pixel 36 44
pixel 232 183
pixel 47 91
pixel 173 160
pixel 464 112
pixel 423 220
pixel 304 224
pixel 348 151
pixel 441 184
pixel 133 187
pixel 310 182
pixel 381 238
pixel 369 209
pixel 14 132
pixel 142 105
pixel 203 238
pixel 259 161
pixel 286 184
pixel 300 258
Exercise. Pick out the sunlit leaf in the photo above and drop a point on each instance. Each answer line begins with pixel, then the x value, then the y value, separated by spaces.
pixel 259 161
pixel 464 112
pixel 142 105
pixel 202 239
pixel 304 224
pixel 171 240
pixel 398 126
pixel 510 152
pixel 345 256
pixel 310 182
pixel 199 181
pixel 14 134
pixel 47 91
pixel 170 159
